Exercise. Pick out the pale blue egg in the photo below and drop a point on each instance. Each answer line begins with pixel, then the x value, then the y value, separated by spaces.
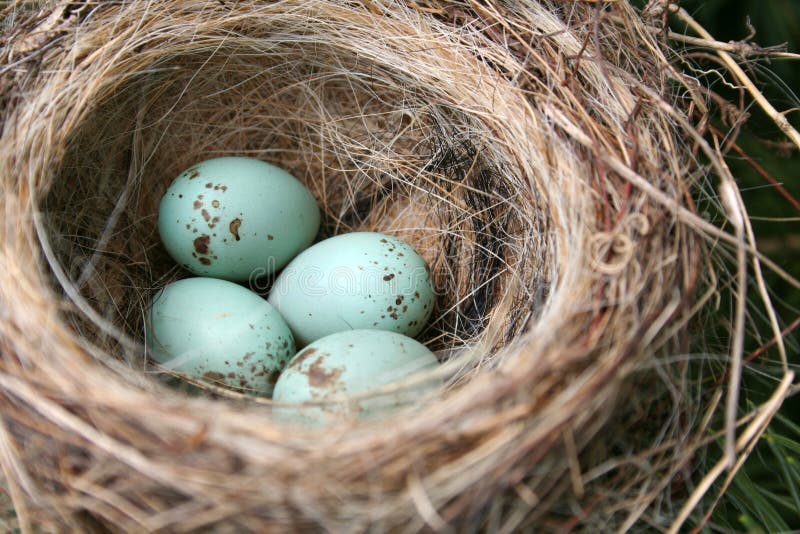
pixel 359 280
pixel 236 218
pixel 220 332
pixel 345 363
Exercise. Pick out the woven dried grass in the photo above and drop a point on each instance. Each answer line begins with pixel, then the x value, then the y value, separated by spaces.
pixel 542 156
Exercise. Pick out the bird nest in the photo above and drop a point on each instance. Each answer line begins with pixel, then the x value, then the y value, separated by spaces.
pixel 544 158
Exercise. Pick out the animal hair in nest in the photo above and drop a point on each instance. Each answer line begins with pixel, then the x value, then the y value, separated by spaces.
pixel 533 151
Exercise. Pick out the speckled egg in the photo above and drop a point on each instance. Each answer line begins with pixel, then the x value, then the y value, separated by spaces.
pixel 236 218
pixel 220 332
pixel 350 362
pixel 353 281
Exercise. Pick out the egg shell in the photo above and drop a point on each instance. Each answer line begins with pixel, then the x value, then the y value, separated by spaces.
pixel 220 332
pixel 354 361
pixel 359 280
pixel 236 218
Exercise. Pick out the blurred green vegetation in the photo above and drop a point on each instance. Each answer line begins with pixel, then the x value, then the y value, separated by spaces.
pixel 765 495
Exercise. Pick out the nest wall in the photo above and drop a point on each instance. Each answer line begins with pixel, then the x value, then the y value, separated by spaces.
pixel 490 136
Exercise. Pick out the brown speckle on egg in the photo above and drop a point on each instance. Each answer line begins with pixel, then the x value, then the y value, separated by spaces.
pixel 300 358
pixel 201 244
pixel 234 228
pixel 272 378
pixel 320 377
pixel 213 376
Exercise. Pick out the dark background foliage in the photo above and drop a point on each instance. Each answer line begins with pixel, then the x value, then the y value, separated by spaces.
pixel 765 495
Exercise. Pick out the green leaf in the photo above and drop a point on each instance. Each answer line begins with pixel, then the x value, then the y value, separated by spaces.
pixel 752 496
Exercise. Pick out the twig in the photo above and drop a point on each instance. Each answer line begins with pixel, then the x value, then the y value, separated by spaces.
pixel 737 202
pixel 761 171
pixel 730 201
pixel 763 348
pixel 765 414
pixel 778 118
pixel 739 48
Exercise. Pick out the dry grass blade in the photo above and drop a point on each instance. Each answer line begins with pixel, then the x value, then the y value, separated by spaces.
pixel 763 415
pixel 741 77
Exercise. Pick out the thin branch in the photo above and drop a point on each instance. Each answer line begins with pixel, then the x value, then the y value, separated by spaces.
pixel 765 414
pixel 777 117
pixel 740 48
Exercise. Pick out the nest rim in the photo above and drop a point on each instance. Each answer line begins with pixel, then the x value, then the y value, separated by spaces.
pixel 490 408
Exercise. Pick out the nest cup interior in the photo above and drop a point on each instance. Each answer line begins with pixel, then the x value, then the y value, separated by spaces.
pixel 435 147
